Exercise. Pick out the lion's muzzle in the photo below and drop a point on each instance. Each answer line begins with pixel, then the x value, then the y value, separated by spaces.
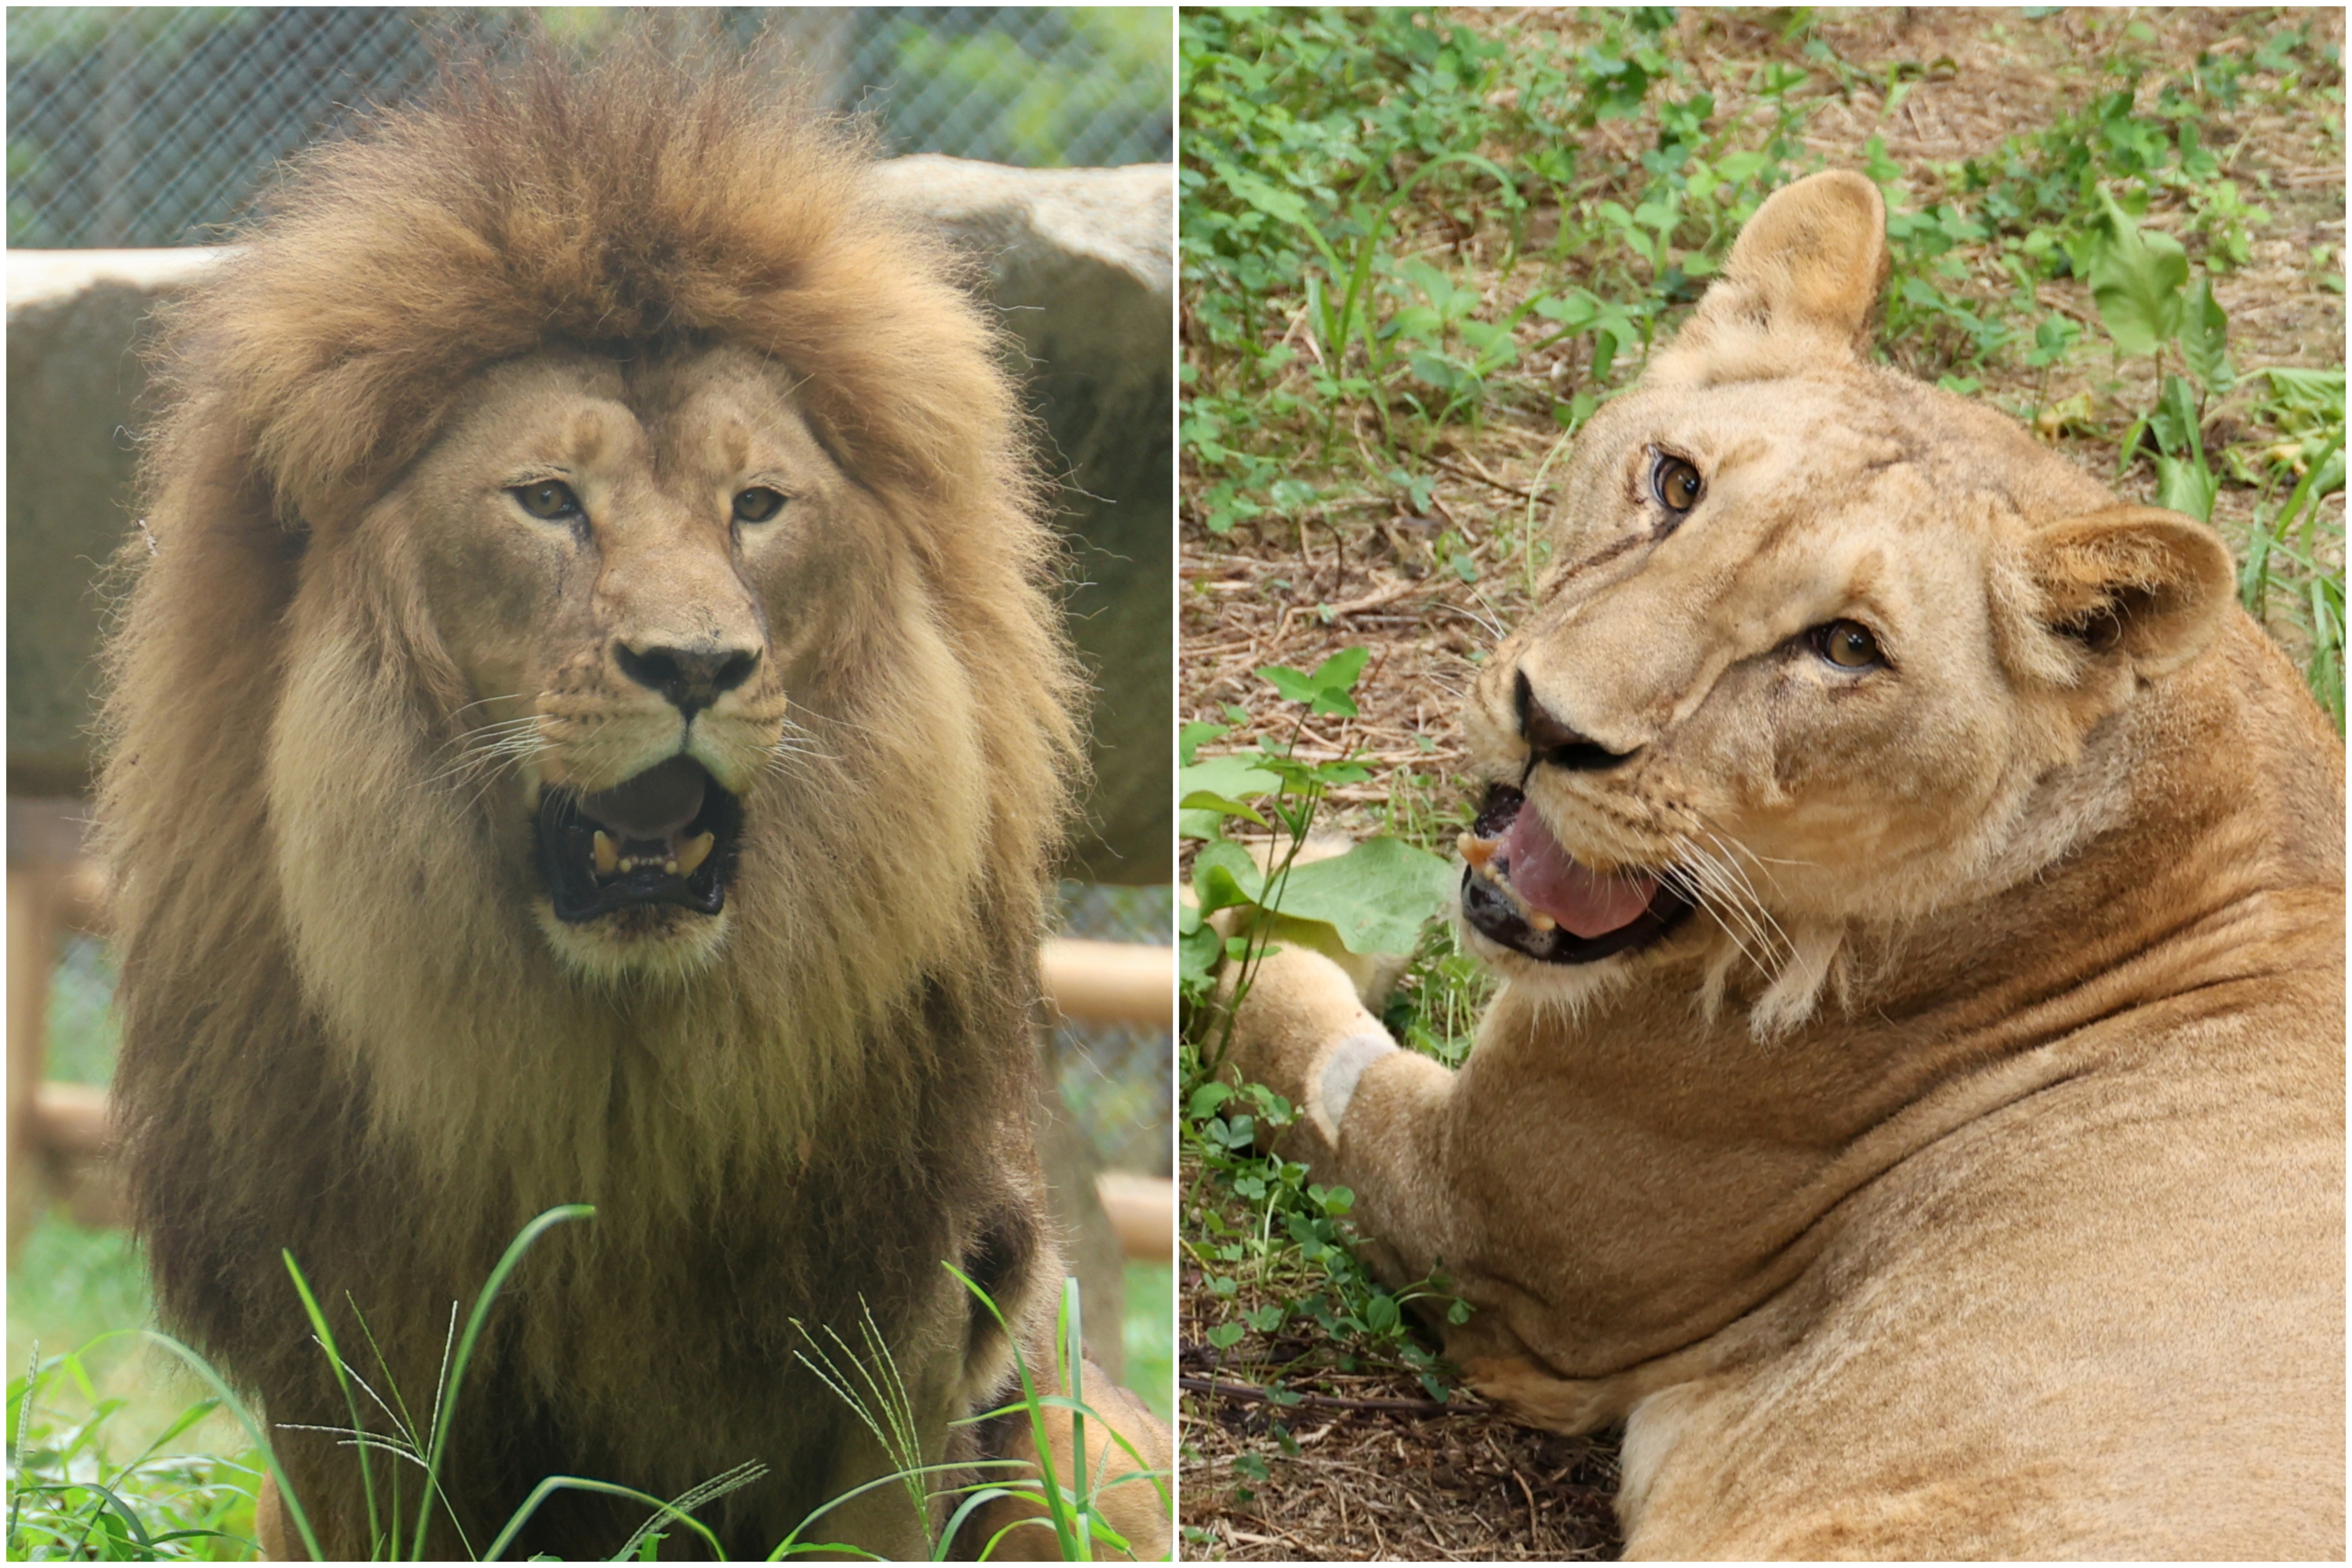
pixel 667 836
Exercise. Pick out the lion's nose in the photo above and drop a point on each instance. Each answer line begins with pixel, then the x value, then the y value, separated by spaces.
pixel 1553 739
pixel 691 678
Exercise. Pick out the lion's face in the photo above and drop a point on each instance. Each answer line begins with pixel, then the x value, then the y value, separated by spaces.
pixel 1814 644
pixel 629 567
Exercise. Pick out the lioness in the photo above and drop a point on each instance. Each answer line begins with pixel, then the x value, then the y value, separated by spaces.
pixel 1915 1101
pixel 593 728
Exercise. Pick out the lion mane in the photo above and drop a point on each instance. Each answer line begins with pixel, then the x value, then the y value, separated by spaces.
pixel 386 1080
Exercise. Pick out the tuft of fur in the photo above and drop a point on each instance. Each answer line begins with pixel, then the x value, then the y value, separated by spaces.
pixel 778 1146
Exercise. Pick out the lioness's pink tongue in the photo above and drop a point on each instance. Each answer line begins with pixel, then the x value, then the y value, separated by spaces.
pixel 1547 877
pixel 653 805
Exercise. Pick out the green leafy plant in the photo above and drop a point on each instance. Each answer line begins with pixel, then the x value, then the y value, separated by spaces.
pixel 1293 1255
pixel 1373 898
pixel 2139 281
pixel 67 1499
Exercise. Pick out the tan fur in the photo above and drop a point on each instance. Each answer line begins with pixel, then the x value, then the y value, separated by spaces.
pixel 1965 1179
pixel 353 1028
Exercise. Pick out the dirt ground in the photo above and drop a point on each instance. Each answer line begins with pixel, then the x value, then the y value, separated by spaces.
pixel 1380 1471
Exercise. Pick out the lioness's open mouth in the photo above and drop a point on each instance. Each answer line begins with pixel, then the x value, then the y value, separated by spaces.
pixel 1524 891
pixel 666 836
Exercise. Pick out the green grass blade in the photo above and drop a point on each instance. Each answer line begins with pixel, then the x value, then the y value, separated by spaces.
pixel 445 1412
pixel 326 1338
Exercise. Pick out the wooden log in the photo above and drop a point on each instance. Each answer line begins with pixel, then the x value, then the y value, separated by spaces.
pixel 1142 1211
pixel 1110 982
pixel 70 1119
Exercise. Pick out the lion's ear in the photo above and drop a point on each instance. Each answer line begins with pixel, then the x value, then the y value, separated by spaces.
pixel 1796 293
pixel 2134 583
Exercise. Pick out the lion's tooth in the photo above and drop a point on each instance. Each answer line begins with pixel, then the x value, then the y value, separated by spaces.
pixel 1540 921
pixel 608 859
pixel 692 853
pixel 1477 851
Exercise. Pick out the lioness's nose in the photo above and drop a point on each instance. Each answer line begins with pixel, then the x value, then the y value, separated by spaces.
pixel 691 678
pixel 1553 739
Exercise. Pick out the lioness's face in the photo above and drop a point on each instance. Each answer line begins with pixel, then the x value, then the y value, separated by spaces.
pixel 630 565
pixel 1761 678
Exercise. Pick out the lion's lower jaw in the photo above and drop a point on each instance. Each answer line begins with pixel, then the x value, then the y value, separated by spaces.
pixel 657 943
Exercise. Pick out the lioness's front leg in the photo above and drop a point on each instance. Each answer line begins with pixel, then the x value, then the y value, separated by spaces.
pixel 1371 1116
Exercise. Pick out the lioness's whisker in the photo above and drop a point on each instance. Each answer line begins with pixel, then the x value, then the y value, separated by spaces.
pixel 1747 887
pixel 1716 885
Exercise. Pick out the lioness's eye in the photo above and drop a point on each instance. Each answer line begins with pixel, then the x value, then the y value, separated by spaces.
pixel 1847 644
pixel 1675 484
pixel 757 504
pixel 549 498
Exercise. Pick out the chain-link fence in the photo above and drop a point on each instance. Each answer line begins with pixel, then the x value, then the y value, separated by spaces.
pixel 155 126
pixel 1119 1081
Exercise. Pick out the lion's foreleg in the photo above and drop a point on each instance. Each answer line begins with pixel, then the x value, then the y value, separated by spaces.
pixel 1136 1507
pixel 273 1531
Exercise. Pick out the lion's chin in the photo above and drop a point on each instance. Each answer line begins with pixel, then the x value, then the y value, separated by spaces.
pixel 651 943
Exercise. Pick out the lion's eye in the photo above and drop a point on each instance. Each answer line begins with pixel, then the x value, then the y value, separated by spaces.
pixel 1847 644
pixel 1675 484
pixel 757 504
pixel 549 498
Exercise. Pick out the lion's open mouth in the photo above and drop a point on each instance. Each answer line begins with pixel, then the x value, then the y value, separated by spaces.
pixel 666 836
pixel 1524 891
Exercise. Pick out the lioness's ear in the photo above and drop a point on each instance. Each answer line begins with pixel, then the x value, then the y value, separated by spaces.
pixel 2132 582
pixel 1796 293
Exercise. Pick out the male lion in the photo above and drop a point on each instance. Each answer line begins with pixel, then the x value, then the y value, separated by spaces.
pixel 593 728
pixel 1914 1102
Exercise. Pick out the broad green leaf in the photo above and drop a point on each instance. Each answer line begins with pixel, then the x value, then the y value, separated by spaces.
pixel 2186 484
pixel 1324 691
pixel 1207 1099
pixel 1209 800
pixel 1342 670
pixel 1197 952
pixel 1223 877
pixel 1376 898
pixel 2205 340
pixel 1292 685
pixel 2307 393
pixel 1263 195
pixel 1571 310
pixel 2137 279
pixel 1231 778
pixel 1191 737
pixel 2174 418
